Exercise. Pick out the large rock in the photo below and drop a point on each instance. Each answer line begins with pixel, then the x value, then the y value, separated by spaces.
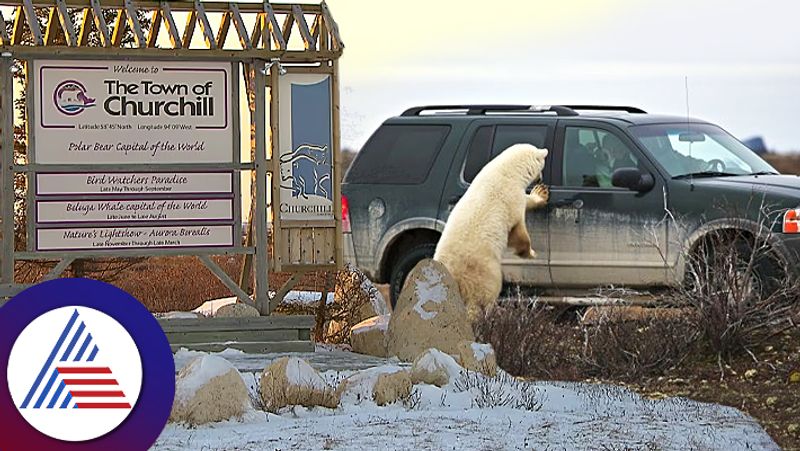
pixel 429 314
pixel 434 367
pixel 384 385
pixel 237 310
pixel 209 389
pixel 478 357
pixel 369 336
pixel 291 381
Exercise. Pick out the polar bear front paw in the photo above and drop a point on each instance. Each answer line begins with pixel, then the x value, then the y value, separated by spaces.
pixel 543 191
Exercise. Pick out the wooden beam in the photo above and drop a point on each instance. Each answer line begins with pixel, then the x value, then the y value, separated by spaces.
pixel 100 24
pixel 284 290
pixel 274 28
pixel 183 6
pixel 224 26
pixel 18 28
pixel 302 25
pixel 58 269
pixel 172 29
pixel 106 53
pixel 4 39
pixel 241 30
pixel 288 24
pixel 258 30
pixel 33 22
pixel 133 22
pixel 205 26
pixel 188 31
pixel 86 27
pixel 155 28
pixel 226 280
pixel 315 27
pixel 66 23
pixel 333 28
pixel 119 28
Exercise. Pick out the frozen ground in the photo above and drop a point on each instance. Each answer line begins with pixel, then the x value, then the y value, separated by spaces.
pixel 474 414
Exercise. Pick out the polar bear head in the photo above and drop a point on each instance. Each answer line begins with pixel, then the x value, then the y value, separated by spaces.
pixel 523 162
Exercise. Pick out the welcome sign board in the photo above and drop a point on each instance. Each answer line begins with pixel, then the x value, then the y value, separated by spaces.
pixel 93 112
pixel 124 113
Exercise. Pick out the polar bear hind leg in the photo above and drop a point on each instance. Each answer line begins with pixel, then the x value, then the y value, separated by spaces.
pixel 520 241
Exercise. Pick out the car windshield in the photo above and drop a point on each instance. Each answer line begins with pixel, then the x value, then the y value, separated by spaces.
pixel 699 149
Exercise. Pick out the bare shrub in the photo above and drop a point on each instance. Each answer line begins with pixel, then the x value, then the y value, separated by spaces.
pixel 501 390
pixel 647 344
pixel 349 307
pixel 531 339
pixel 743 290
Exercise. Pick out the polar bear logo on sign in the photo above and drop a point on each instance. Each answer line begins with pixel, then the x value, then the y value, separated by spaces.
pixel 306 171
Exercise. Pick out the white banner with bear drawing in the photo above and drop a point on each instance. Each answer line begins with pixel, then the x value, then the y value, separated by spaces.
pixel 306 150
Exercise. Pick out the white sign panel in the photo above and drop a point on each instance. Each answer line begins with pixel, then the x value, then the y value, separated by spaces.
pixel 59 211
pixel 97 238
pixel 306 147
pixel 135 183
pixel 94 112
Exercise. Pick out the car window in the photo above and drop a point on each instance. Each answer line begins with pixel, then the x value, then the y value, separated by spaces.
pixel 591 155
pixel 489 141
pixel 398 154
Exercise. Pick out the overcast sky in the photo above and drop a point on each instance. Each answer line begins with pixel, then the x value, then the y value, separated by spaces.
pixel 742 58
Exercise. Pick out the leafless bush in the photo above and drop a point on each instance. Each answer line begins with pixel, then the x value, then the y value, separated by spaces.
pixel 648 343
pixel 743 290
pixel 499 391
pixel 532 340
pixel 350 306
pixel 412 400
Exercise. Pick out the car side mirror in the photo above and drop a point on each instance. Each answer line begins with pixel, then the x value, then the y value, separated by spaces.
pixel 632 179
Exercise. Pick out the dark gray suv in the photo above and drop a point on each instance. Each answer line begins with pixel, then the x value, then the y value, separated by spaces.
pixel 630 192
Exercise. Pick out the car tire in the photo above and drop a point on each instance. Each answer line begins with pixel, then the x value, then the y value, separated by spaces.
pixel 403 266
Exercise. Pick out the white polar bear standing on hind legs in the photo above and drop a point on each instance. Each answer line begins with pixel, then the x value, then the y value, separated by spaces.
pixel 489 218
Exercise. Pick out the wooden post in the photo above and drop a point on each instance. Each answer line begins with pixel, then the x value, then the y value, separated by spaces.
pixel 274 118
pixel 262 245
pixel 7 171
pixel 337 158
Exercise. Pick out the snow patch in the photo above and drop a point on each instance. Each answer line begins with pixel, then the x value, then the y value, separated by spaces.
pixel 300 373
pixel 360 386
pixel 176 315
pixel 429 288
pixel 481 351
pixel 376 322
pixel 434 358
pixel 209 308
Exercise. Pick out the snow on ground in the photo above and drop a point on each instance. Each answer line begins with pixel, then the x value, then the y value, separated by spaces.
pixel 209 308
pixel 569 416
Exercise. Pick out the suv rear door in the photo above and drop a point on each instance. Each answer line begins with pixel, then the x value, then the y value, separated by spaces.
pixel 603 235
pixel 483 140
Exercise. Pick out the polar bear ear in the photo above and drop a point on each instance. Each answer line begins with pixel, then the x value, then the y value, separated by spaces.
pixel 542 153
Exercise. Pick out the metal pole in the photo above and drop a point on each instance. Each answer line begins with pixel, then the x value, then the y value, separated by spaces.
pixel 262 244
pixel 7 170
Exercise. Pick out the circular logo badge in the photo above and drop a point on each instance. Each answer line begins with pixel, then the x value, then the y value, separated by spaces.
pixel 87 366
pixel 70 98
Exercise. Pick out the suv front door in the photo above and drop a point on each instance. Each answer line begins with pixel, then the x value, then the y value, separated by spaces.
pixel 485 139
pixel 599 234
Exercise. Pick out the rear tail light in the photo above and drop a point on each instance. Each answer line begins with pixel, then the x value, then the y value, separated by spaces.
pixel 791 221
pixel 345 215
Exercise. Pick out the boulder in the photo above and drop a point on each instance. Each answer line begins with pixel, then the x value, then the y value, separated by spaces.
pixel 209 389
pixel 291 381
pixel 434 367
pixel 237 310
pixel 429 314
pixel 384 385
pixel 369 336
pixel 478 357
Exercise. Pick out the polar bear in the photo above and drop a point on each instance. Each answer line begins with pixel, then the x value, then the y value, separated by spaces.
pixel 488 218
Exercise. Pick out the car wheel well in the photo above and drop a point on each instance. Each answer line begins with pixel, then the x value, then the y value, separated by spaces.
pixel 407 240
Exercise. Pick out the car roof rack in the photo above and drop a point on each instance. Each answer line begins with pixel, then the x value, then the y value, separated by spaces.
pixel 627 109
pixel 475 110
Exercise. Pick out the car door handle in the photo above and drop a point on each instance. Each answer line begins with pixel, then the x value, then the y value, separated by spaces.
pixel 568 203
